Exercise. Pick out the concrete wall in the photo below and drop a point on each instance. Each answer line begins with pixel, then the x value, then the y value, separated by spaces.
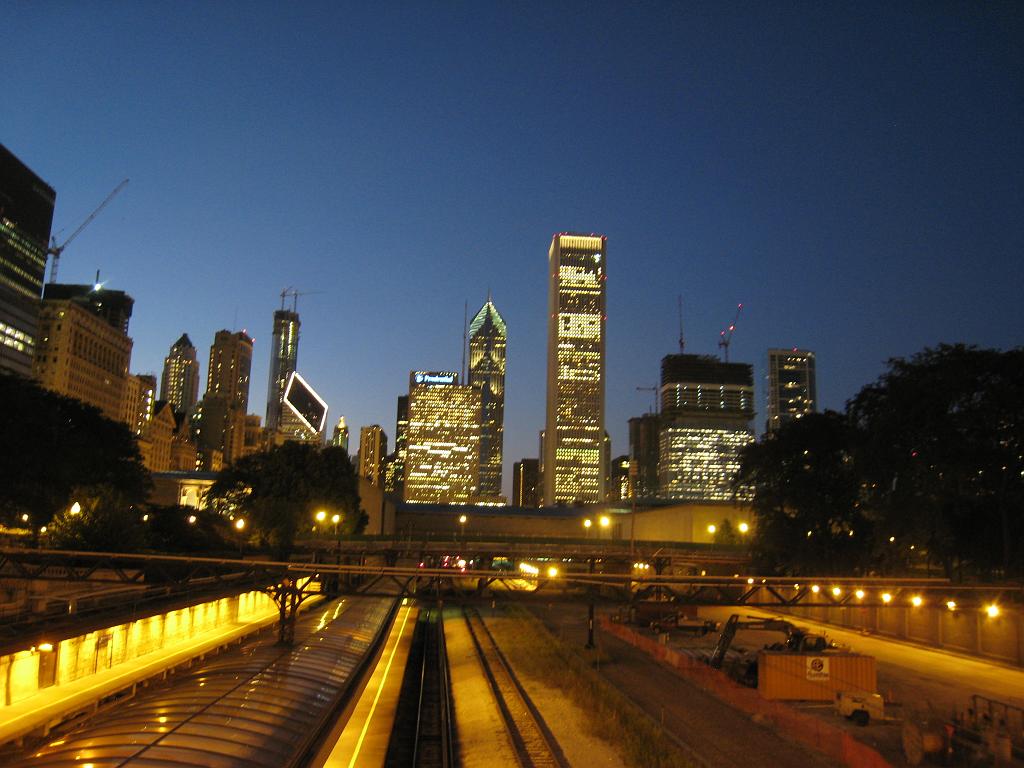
pixel 687 522
pixel 969 631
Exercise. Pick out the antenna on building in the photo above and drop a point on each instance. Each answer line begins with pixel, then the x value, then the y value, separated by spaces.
pixel 654 397
pixel 465 326
pixel 682 339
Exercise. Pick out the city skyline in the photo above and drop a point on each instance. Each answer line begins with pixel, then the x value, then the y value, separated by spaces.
pixel 766 170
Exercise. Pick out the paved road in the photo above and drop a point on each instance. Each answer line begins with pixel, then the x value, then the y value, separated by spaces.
pixel 719 736
pixel 917 677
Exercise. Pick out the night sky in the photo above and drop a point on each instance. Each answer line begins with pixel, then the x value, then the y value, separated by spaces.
pixel 853 173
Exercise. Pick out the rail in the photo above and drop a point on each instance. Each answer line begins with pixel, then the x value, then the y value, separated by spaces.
pixel 534 744
pixel 423 732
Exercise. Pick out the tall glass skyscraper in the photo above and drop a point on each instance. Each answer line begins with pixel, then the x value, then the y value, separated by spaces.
pixel 284 357
pixel 442 460
pixel 792 389
pixel 26 213
pixel 573 461
pixel 179 384
pixel 706 409
pixel 487 339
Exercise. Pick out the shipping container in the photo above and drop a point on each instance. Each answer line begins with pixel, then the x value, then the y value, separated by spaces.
pixel 813 677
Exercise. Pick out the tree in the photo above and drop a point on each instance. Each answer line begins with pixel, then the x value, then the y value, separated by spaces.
pixel 280 490
pixel 53 444
pixel 100 519
pixel 807 513
pixel 941 451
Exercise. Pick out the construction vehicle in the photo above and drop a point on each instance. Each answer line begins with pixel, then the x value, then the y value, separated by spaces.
pixel 797 639
pixel 861 708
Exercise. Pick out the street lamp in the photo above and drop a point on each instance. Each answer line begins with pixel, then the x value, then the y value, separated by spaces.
pixel 76 509
pixel 321 516
pixel 462 528
pixel 586 524
pixel 240 526
pixel 744 527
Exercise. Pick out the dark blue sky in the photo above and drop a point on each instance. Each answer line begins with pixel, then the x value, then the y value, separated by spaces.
pixel 852 173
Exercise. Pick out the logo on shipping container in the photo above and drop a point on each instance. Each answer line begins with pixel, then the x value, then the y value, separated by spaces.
pixel 817 668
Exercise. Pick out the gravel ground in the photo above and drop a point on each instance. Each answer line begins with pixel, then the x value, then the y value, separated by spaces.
pixel 716 735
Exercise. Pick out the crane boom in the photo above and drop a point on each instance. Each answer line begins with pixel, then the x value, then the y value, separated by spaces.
pixel 725 337
pixel 56 250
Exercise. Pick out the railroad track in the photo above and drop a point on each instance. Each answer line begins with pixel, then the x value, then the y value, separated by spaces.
pixel 423 735
pixel 534 743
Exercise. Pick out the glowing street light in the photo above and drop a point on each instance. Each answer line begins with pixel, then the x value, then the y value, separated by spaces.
pixel 859 594
pixel 587 524
pixel 552 572
pixel 712 528
pixel 992 610
pixel 836 591
pixel 321 516
pixel 886 598
pixel 76 509
pixel 192 519
pixel 744 528
pixel 917 601
pixel 240 524
pixel 951 605
pixel 815 588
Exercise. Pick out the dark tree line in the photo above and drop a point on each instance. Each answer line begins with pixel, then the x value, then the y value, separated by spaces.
pixel 922 470
pixel 76 474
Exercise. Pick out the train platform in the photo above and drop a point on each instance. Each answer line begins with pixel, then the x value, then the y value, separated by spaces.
pixel 51 706
pixel 361 738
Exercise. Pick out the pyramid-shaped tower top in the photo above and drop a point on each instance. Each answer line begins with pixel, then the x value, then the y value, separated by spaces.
pixel 184 341
pixel 487 317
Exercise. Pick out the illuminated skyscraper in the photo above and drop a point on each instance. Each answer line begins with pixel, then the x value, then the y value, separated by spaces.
pixel 138 403
pixel 373 447
pixel 26 213
pixel 339 439
pixel 83 348
pixel 644 447
pixel 220 418
pixel 442 461
pixel 179 384
pixel 303 413
pixel 487 339
pixel 524 483
pixel 395 466
pixel 573 459
pixel 284 357
pixel 792 390
pixel 706 410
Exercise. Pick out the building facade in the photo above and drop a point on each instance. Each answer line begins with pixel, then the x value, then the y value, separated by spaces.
pixel 83 348
pixel 139 402
pixel 442 463
pixel 179 383
pixel 644 449
pixel 707 408
pixel 525 483
pixel 792 388
pixel 284 358
pixel 573 461
pixel 303 417
pixel 488 337
pixel 339 438
pixel 219 423
pixel 26 215
pixel 373 447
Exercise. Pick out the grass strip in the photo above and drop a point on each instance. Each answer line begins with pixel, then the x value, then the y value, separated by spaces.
pixel 610 715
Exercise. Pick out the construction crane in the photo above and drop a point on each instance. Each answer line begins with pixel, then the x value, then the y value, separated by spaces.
pixel 56 250
pixel 294 293
pixel 654 396
pixel 725 337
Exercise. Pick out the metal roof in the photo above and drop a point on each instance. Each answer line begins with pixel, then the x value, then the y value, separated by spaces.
pixel 260 705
